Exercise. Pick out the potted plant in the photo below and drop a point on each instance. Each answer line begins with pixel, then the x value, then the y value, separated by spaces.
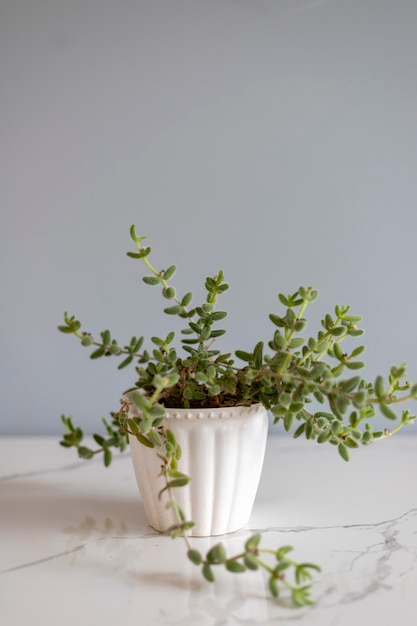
pixel 196 421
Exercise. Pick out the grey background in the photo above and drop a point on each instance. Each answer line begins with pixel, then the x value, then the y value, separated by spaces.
pixel 274 139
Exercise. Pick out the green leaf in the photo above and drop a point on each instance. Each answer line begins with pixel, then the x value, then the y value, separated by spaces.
pixel 169 272
pixel 218 315
pixel 300 324
pixel 327 322
pixel 133 426
pixel 300 430
pixel 133 233
pixel 379 387
pixel 354 365
pixel 140 401
pixel 220 277
pixel 214 390
pixel 350 384
pixel 178 482
pixel 205 332
pixel 208 573
pixel 357 351
pixel 98 353
pixel 107 457
pixel 355 332
pixel 253 542
pixel 151 280
pixel 244 356
pixel 126 362
pixel 99 439
pixel 173 310
pixel 65 329
pixel 283 565
pixel 250 562
pixel 337 371
pixel 337 331
pixel 195 556
pixel 277 320
pixel 154 437
pixel 341 404
pixel 350 442
pixel 217 554
pixel 157 411
pixel 137 346
pixel 258 354
pixel 144 440
pixel 309 428
pixel 299 596
pixel 296 342
pixel 216 333
pixel 288 421
pixel 290 318
pixel 343 451
pixel 359 399
pixel 367 438
pixel 186 299
pixel 171 379
pixel 85 453
pixel 157 354
pixel 114 348
pixel 235 567
pixel 305 566
pixel 279 342
pixel 106 337
pixel 273 586
pixel 281 552
pixel 170 337
pixel 168 292
pixel 387 411
pixel 177 474
pixel 324 436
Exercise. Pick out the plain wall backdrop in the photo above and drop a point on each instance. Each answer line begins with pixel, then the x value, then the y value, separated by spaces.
pixel 275 139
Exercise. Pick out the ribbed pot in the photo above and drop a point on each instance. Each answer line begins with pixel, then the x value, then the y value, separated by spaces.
pixel 223 451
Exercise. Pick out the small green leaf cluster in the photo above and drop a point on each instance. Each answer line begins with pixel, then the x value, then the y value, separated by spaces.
pixel 107 346
pixel 252 558
pixel 295 373
pixel 74 436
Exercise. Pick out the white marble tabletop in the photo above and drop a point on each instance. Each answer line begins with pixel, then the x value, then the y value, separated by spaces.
pixel 75 547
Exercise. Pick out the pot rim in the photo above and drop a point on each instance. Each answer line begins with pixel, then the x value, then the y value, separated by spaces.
pixel 220 412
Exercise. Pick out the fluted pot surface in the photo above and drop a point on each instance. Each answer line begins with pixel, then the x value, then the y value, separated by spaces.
pixel 222 451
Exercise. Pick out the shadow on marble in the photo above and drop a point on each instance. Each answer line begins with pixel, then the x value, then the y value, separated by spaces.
pixel 53 509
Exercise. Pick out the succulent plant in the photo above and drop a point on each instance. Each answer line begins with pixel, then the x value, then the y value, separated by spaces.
pixel 287 374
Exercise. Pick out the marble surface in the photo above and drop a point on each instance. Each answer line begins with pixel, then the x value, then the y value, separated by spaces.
pixel 75 547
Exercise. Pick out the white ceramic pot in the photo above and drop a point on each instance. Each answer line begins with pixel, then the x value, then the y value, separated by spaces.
pixel 223 452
